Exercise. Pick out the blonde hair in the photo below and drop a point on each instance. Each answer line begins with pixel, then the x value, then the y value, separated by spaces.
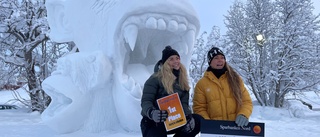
pixel 234 82
pixel 168 78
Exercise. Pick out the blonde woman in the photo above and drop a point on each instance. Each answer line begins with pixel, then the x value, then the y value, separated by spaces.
pixel 170 78
pixel 220 94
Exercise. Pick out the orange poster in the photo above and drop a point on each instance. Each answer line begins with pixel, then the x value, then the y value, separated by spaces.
pixel 172 105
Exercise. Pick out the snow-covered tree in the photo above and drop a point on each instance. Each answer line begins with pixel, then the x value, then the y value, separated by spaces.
pixel 23 29
pixel 296 50
pixel 246 21
pixel 25 49
pixel 272 43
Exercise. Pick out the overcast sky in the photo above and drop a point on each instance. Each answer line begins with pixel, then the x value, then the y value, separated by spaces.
pixel 211 12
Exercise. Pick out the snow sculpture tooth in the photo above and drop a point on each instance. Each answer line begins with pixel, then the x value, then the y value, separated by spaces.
pixel 136 91
pixel 129 83
pixel 172 26
pixel 181 46
pixel 133 88
pixel 192 27
pixel 182 27
pixel 130 35
pixel 189 37
pixel 184 50
pixel 142 49
pixel 151 23
pixel 162 24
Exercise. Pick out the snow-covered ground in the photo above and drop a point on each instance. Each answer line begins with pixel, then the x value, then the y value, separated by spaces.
pixel 293 121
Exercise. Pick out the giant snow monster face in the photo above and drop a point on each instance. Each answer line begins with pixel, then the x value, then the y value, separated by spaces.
pixel 119 41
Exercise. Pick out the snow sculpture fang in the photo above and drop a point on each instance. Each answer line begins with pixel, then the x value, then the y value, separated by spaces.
pixel 119 41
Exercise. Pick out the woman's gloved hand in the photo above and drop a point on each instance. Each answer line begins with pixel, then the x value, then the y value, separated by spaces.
pixel 241 120
pixel 158 115
pixel 189 126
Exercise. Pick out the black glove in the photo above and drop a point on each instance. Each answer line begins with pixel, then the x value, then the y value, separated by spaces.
pixel 241 121
pixel 158 115
pixel 187 128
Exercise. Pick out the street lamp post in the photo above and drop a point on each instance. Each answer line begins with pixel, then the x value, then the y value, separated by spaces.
pixel 261 47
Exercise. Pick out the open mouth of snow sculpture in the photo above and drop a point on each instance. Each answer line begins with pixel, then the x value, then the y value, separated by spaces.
pixel 142 38
pixel 145 36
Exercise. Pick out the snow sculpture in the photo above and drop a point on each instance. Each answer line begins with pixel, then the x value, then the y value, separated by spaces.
pixel 99 88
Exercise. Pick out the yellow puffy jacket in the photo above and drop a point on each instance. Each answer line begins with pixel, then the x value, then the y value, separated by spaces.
pixel 213 99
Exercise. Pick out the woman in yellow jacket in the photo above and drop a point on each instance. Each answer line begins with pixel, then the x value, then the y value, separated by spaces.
pixel 220 94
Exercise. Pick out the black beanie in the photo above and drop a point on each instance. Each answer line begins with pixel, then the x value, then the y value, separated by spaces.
pixel 167 52
pixel 214 51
